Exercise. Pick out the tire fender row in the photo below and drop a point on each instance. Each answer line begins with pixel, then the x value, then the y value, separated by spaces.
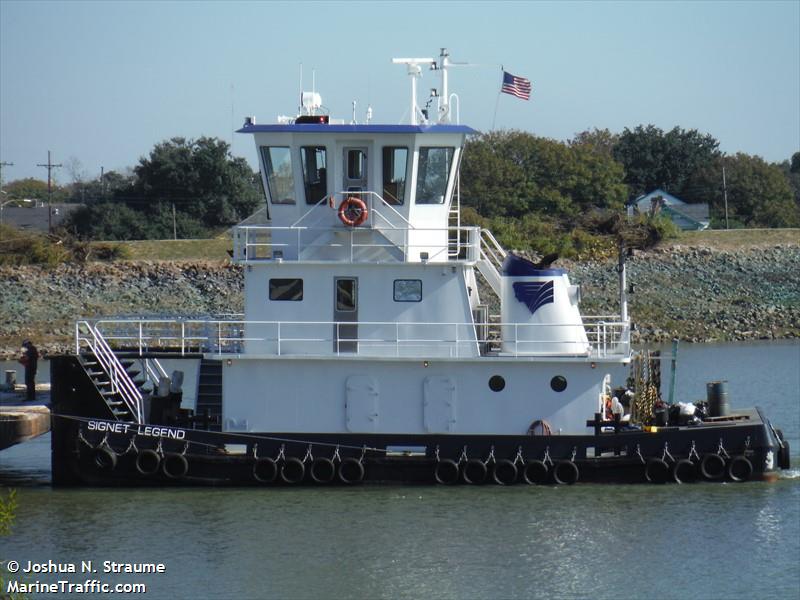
pixel 504 471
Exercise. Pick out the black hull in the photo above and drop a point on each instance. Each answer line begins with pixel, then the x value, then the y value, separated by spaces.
pixel 90 447
pixel 82 455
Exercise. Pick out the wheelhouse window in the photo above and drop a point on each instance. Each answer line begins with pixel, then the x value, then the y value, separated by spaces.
pixel 394 174
pixel 355 164
pixel 407 290
pixel 278 168
pixel 433 170
pixel 286 289
pixel 315 169
pixel 346 294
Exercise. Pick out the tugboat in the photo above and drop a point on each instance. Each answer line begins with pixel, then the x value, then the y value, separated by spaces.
pixel 367 352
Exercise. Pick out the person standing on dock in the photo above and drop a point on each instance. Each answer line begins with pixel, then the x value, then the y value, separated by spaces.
pixel 30 360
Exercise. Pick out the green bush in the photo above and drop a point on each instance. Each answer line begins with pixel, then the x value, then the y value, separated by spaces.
pixel 23 248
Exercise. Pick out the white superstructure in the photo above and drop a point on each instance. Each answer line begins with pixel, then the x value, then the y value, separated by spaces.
pixel 362 307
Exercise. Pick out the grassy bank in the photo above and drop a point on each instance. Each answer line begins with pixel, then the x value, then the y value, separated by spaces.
pixel 211 249
pixel 730 239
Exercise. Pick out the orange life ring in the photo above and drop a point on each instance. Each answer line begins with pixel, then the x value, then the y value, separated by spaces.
pixel 353 211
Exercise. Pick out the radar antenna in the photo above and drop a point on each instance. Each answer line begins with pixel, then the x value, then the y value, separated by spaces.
pixel 443 98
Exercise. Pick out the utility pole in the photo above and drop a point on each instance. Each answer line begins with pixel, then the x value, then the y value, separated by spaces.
pixel 725 196
pixel 3 164
pixel 102 183
pixel 174 225
pixel 50 166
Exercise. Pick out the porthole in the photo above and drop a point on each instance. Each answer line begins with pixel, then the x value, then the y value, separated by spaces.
pixel 558 383
pixel 497 383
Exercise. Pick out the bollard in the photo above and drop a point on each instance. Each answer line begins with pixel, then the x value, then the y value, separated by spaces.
pixel 11 380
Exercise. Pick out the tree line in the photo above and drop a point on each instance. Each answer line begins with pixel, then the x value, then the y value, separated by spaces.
pixel 520 184
pixel 514 173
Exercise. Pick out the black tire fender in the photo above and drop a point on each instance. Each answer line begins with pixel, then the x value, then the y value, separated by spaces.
pixel 351 471
pixel 104 458
pixel 535 472
pixel 265 470
pixel 147 462
pixel 174 465
pixel 474 471
pixel 322 470
pixel 739 469
pixel 446 472
pixel 505 472
pixel 292 470
pixel 684 471
pixel 565 472
pixel 712 467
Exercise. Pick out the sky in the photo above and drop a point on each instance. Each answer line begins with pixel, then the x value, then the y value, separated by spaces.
pixel 100 83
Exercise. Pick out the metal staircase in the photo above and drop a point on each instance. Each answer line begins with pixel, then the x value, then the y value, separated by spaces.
pixel 490 262
pixel 209 393
pixel 113 379
pixel 112 395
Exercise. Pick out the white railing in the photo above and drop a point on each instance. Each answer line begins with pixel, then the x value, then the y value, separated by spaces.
pixel 596 337
pixel 258 242
pixel 88 336
pixel 491 249
pixel 312 232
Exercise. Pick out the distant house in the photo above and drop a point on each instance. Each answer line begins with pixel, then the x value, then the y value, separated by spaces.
pixel 36 218
pixel 684 215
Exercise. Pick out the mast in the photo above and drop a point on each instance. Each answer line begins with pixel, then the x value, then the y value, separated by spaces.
pixel 414 71
pixel 623 295
pixel 444 108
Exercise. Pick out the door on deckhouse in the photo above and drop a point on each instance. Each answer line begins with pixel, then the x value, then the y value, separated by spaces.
pixel 345 315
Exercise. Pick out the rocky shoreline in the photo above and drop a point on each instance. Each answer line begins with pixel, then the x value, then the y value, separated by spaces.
pixel 695 294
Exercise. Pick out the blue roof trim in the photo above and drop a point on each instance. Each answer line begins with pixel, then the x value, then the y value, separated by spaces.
pixel 319 128
pixel 516 266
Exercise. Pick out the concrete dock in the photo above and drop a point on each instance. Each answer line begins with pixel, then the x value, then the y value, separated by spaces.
pixel 20 420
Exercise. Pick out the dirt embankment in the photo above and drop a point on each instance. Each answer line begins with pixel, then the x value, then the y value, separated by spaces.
pixel 693 293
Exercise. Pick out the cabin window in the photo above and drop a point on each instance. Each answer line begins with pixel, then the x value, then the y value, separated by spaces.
pixel 407 290
pixel 433 169
pixel 286 289
pixel 278 167
pixel 315 169
pixel 394 174
pixel 346 294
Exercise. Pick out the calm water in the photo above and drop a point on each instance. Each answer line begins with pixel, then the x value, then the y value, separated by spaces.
pixel 700 541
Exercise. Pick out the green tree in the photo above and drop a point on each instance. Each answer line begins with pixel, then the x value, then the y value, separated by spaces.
pixel 759 194
pixel 199 180
pixel 513 173
pixel 655 159
pixel 29 187
pixel 791 169
pixel 599 141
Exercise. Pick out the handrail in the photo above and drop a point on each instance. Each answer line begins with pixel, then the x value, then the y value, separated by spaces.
pixel 442 249
pixel 154 373
pixel 600 336
pixel 119 377
pixel 492 248
pixel 330 199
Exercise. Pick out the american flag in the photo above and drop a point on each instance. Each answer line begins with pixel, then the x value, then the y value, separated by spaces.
pixel 516 86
